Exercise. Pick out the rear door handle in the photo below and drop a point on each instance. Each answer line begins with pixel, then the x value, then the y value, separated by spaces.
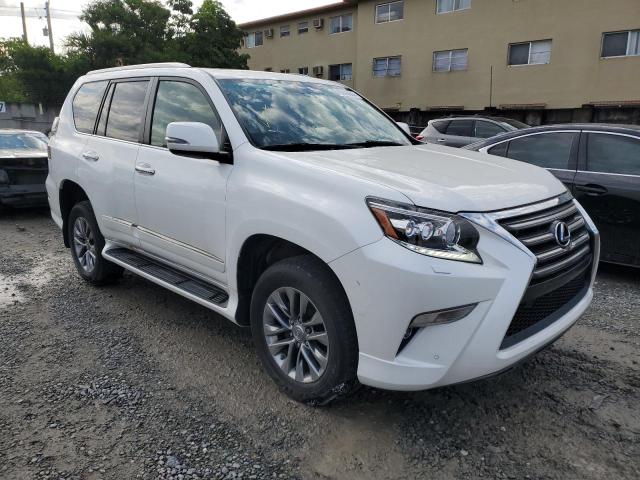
pixel 91 156
pixel 145 169
pixel 592 189
pixel 442 140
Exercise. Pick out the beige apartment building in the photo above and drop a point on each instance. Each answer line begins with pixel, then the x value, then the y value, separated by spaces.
pixel 538 60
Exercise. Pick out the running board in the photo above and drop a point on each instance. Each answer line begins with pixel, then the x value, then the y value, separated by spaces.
pixel 168 277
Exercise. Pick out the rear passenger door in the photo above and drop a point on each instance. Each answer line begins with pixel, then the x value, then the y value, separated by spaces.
pixel 555 151
pixel 109 157
pixel 608 186
pixel 180 198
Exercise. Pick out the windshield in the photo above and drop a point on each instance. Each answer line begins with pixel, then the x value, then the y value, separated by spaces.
pixel 514 123
pixel 23 141
pixel 289 115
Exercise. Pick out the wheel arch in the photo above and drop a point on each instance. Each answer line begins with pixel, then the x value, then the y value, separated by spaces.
pixel 259 252
pixel 70 194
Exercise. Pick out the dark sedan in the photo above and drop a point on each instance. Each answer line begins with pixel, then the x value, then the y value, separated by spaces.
pixel 600 164
pixel 23 168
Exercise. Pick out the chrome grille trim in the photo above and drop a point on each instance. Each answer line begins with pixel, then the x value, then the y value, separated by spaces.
pixel 567 261
pixel 541 220
pixel 556 252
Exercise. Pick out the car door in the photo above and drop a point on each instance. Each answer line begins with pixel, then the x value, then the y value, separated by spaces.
pixel 181 199
pixel 484 129
pixel 458 133
pixel 555 151
pixel 608 186
pixel 109 156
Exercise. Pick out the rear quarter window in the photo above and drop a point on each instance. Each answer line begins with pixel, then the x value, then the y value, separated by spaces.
pixel 441 126
pixel 86 104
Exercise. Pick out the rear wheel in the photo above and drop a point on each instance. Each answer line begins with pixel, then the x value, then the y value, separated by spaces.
pixel 86 246
pixel 303 329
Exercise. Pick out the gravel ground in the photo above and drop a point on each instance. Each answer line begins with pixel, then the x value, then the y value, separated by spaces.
pixel 132 381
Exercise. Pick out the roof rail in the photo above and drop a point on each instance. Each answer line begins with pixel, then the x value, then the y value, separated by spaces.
pixel 142 65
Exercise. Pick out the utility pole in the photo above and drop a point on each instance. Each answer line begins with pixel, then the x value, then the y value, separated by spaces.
pixel 47 6
pixel 24 23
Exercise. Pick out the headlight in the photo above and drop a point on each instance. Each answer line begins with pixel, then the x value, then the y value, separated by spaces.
pixel 428 232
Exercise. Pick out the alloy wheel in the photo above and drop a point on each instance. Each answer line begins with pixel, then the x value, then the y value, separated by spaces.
pixel 84 244
pixel 296 335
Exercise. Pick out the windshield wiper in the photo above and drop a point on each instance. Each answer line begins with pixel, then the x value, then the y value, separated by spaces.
pixel 376 143
pixel 302 147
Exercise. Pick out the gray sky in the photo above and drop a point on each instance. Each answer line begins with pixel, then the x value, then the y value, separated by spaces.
pixel 65 15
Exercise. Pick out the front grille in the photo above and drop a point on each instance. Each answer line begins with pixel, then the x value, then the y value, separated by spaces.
pixel 561 273
pixel 533 316
pixel 535 231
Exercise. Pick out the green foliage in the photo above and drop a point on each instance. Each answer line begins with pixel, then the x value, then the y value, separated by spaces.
pixel 122 32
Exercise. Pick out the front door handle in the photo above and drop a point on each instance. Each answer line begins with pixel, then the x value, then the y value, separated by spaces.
pixel 442 140
pixel 592 189
pixel 91 156
pixel 145 169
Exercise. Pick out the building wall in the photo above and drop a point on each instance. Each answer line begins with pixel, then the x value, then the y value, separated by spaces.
pixel 28 116
pixel 576 75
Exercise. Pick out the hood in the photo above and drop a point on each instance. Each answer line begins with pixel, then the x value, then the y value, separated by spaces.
pixel 442 178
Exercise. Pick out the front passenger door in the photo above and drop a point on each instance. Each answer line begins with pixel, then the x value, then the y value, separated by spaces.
pixel 181 199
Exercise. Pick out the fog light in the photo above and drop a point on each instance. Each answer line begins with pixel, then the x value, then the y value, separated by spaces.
pixel 4 178
pixel 440 317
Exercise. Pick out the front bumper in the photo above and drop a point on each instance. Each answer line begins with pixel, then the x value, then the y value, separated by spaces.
pixel 23 195
pixel 387 285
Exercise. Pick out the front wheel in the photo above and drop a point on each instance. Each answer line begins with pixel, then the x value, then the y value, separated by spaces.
pixel 303 329
pixel 86 246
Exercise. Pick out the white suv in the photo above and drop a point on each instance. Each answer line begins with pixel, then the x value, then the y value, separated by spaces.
pixel 293 205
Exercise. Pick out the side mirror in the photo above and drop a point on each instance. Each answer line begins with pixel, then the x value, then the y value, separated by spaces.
pixel 194 138
pixel 404 126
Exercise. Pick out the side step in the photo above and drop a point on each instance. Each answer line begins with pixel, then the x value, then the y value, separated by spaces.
pixel 169 277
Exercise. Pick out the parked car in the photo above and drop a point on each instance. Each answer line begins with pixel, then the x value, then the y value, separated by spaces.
pixel 350 249
pixel 600 164
pixel 23 168
pixel 461 131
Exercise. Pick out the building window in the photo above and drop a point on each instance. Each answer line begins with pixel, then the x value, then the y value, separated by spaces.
pixel 530 53
pixel 389 12
pixel 340 72
pixel 285 31
pixel 303 27
pixel 621 44
pixel 446 6
pixel 286 70
pixel 343 23
pixel 268 69
pixel 387 67
pixel 254 39
pixel 303 70
pixel 448 60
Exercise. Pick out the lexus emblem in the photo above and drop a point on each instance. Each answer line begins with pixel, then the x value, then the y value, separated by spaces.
pixel 562 234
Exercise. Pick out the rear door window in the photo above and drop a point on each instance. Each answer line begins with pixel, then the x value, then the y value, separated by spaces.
pixel 460 128
pixel 548 150
pixel 487 129
pixel 126 113
pixel 86 104
pixel 613 154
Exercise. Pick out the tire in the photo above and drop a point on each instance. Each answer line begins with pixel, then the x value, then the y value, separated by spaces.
pixel 86 246
pixel 328 362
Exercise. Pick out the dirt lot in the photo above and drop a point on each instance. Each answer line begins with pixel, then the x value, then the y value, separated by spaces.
pixel 132 381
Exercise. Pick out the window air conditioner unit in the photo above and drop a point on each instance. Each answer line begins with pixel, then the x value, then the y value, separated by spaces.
pixel 318 23
pixel 318 71
pixel 268 33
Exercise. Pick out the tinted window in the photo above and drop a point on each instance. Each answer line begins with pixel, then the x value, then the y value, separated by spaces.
pixel 23 141
pixel 441 126
pixel 613 154
pixel 181 102
pixel 86 104
pixel 126 112
pixel 519 54
pixel 550 150
pixel 487 129
pixel 460 128
pixel 500 150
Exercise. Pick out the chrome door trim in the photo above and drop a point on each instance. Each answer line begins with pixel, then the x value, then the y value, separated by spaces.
pixel 178 243
pixel 117 220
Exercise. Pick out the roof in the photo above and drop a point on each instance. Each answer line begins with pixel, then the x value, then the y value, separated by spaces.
pixel 597 127
pixel 300 13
